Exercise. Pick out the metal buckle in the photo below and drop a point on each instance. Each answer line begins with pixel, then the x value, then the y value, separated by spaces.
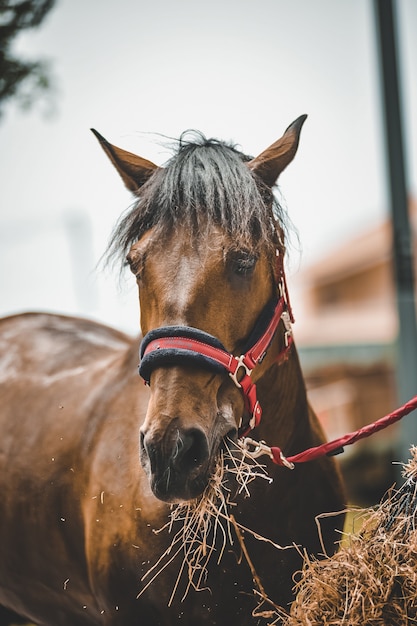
pixel 256 411
pixel 285 316
pixel 240 364
pixel 281 289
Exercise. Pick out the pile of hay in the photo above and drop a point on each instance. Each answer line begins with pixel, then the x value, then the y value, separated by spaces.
pixel 373 578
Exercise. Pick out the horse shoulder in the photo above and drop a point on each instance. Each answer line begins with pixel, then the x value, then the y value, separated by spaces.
pixel 64 382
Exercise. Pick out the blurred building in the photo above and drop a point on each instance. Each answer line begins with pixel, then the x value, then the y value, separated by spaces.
pixel 347 335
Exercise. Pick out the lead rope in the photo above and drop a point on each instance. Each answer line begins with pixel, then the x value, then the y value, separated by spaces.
pixel 331 448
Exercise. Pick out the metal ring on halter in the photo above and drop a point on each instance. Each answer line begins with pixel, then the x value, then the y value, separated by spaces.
pixel 240 364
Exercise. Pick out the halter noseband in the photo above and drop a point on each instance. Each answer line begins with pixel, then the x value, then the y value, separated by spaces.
pixel 172 345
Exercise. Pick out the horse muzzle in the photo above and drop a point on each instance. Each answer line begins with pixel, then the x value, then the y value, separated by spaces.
pixel 178 465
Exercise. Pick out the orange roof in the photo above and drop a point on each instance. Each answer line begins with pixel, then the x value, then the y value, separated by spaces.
pixel 367 249
pixel 348 323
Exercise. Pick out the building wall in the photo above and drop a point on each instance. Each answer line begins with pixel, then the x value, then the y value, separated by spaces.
pixel 371 287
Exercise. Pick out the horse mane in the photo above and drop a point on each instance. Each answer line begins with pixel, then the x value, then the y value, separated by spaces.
pixel 205 183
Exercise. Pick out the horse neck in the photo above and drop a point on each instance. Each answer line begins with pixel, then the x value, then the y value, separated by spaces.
pixel 287 417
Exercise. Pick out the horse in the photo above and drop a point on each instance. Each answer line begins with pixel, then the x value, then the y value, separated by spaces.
pixel 93 462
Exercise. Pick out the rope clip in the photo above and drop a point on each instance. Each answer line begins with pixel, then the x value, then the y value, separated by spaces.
pixel 258 448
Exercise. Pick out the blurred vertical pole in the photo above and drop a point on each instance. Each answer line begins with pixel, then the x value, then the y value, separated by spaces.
pixel 402 242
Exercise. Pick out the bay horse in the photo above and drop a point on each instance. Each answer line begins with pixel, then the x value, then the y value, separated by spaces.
pixel 92 462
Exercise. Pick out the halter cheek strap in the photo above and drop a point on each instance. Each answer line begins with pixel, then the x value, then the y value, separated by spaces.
pixel 173 345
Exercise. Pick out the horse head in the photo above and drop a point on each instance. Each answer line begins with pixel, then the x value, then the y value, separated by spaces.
pixel 202 241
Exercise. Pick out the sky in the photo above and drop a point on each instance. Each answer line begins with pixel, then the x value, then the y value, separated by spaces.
pixel 237 70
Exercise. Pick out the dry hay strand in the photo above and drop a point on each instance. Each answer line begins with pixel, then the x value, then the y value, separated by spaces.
pixel 373 579
pixel 203 528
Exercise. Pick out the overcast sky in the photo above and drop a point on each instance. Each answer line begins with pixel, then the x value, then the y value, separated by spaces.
pixel 235 69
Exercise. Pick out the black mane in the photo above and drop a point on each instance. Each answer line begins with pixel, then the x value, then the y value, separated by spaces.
pixel 206 183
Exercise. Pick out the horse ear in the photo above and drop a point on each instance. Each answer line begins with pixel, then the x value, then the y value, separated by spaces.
pixel 272 161
pixel 134 170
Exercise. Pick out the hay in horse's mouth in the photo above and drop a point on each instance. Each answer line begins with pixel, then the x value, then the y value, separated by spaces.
pixel 206 525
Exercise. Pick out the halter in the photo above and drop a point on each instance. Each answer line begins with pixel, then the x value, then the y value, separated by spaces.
pixel 172 345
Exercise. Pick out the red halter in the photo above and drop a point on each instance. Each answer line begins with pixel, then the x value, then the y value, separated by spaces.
pixel 169 345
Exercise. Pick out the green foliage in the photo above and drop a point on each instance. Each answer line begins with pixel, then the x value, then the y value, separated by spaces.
pixel 22 79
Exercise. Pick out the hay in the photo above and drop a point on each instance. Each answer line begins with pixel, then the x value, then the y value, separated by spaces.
pixel 206 525
pixel 372 580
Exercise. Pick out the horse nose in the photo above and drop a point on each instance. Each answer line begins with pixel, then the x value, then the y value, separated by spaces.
pixel 184 450
pixel 176 462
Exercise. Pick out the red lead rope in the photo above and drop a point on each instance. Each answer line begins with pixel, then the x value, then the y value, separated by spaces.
pixel 332 447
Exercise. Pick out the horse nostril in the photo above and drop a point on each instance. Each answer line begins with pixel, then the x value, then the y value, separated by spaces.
pixel 148 451
pixel 191 449
pixel 142 445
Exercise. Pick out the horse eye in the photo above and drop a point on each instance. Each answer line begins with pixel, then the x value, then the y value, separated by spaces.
pixel 135 263
pixel 244 263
